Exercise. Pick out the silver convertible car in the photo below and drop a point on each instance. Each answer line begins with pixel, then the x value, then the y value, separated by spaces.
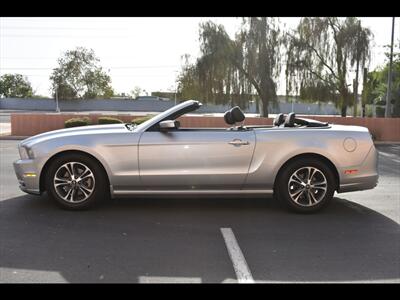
pixel 301 162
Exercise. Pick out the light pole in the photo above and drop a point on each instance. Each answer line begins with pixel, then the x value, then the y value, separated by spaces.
pixel 389 92
pixel 292 104
pixel 176 85
pixel 57 107
pixel 176 90
pixel 355 81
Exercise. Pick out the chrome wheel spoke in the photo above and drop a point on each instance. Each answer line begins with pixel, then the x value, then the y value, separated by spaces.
pixel 311 198
pixel 316 184
pixel 70 169
pixel 297 179
pixel 321 182
pixel 322 185
pixel 308 199
pixel 311 172
pixel 61 181
pixel 85 190
pixel 297 196
pixel 323 188
pixel 86 174
pixel 295 193
pixel 62 184
pixel 70 195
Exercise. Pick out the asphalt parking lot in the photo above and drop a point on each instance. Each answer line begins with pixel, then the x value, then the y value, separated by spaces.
pixel 356 239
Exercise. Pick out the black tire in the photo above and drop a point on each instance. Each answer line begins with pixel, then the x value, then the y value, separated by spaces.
pixel 100 188
pixel 304 204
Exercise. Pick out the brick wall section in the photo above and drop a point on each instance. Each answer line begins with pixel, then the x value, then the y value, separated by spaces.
pixel 381 128
pixel 28 124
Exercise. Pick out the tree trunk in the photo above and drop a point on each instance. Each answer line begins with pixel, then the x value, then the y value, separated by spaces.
pixel 264 106
pixel 356 91
pixel 344 110
pixel 363 98
pixel 264 63
pixel 344 95
pixel 344 98
pixel 257 105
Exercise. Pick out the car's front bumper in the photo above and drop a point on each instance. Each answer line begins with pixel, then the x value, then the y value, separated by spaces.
pixel 27 176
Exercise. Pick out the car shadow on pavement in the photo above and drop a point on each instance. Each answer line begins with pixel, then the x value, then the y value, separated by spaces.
pixel 124 240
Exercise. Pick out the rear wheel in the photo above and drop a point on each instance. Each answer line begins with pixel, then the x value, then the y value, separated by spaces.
pixel 306 185
pixel 76 182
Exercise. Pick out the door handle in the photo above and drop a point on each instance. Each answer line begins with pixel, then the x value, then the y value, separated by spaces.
pixel 237 142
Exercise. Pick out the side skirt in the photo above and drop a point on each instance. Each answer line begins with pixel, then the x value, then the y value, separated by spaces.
pixel 230 193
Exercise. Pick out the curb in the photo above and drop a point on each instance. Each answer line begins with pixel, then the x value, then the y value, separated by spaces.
pixel 386 143
pixel 12 137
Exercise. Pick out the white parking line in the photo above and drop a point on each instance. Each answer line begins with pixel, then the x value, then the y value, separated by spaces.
pixel 163 279
pixel 242 270
pixel 390 156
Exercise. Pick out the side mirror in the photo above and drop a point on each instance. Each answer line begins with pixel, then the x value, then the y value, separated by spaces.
pixel 166 125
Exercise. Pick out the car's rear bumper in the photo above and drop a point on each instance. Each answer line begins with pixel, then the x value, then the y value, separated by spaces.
pixel 362 177
pixel 364 183
pixel 27 176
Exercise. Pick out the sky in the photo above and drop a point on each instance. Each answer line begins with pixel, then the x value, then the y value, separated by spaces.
pixel 144 52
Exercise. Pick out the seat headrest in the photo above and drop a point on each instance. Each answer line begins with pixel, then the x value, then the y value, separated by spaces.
pixel 234 115
pixel 237 114
pixel 279 119
pixel 228 118
pixel 289 122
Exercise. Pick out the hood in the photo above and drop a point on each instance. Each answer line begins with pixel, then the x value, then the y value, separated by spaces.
pixel 80 130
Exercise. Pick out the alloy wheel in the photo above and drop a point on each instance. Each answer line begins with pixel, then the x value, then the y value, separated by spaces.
pixel 74 182
pixel 307 186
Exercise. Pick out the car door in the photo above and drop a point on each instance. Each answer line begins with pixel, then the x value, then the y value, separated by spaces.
pixel 195 158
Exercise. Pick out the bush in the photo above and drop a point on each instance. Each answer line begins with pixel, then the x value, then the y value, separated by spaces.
pixel 368 111
pixel 138 121
pixel 74 122
pixel 109 120
pixel 380 102
pixel 380 112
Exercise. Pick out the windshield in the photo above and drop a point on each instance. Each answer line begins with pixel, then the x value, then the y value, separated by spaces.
pixel 171 113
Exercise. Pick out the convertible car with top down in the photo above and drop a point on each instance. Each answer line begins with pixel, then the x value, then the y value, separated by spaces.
pixel 301 162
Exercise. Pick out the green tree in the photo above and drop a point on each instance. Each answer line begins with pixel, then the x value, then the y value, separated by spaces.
pixel 232 70
pixel 15 85
pixel 135 92
pixel 319 54
pixel 359 54
pixel 79 76
pixel 375 87
pixel 188 82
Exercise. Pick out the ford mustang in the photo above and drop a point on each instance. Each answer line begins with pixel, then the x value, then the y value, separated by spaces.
pixel 300 162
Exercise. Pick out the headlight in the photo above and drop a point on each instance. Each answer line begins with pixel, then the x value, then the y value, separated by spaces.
pixel 25 153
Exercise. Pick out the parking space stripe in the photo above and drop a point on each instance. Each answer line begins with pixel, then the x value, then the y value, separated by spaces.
pixel 391 156
pixel 242 270
pixel 164 279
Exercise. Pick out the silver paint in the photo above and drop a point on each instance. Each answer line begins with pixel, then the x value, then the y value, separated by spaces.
pixel 212 161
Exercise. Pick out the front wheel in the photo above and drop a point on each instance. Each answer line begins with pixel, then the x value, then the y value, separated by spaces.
pixel 306 185
pixel 76 181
